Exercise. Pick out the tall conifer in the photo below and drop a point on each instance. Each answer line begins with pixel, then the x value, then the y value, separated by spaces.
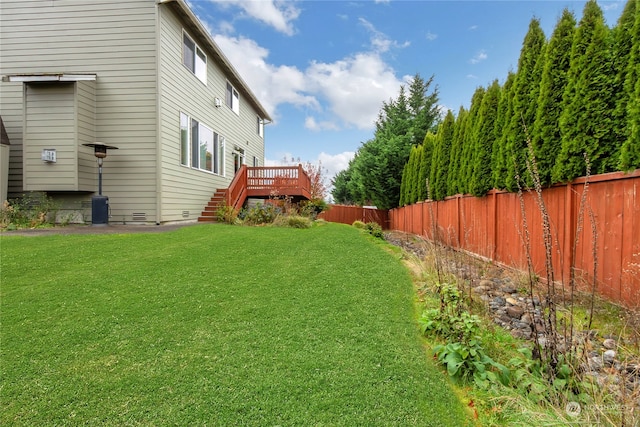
pixel 469 141
pixel 630 151
pixel 480 182
pixel 453 181
pixel 588 104
pixel 425 165
pixel 546 137
pixel 499 151
pixel 526 90
pixel 440 162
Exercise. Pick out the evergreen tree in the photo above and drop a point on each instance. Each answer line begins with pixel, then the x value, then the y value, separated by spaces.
pixel 586 119
pixel 485 135
pixel 499 151
pixel 423 107
pixel 403 185
pixel 472 121
pixel 412 177
pixel 440 161
pixel 526 90
pixel 546 137
pixel 630 151
pixel 453 181
pixel 425 164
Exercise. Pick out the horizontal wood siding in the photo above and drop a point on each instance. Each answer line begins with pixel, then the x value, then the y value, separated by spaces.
pixel 184 188
pixel 11 111
pixel 86 134
pixel 115 39
pixel 50 124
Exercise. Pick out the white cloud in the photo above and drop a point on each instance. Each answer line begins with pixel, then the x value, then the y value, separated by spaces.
pixel 431 36
pixel 354 87
pixel 277 14
pixel 479 57
pixel 380 42
pixel 335 163
pixel 472 76
pixel 272 85
pixel 473 28
pixel 311 124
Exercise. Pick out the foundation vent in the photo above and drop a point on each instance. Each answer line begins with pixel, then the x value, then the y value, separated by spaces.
pixel 139 216
pixel 185 214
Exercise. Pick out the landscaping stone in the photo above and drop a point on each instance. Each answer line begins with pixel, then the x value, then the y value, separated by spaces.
pixel 609 344
pixel 515 311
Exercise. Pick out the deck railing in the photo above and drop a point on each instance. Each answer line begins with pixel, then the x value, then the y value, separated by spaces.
pixel 268 181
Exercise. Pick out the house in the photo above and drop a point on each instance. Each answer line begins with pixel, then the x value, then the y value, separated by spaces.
pixel 144 76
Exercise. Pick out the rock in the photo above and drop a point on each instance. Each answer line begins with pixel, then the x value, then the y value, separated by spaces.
pixel 609 356
pixel 505 318
pixel 486 283
pixel 508 289
pixel 526 318
pixel 499 301
pixel 512 301
pixel 595 363
pixel 517 333
pixel 480 289
pixel 609 344
pixel 515 311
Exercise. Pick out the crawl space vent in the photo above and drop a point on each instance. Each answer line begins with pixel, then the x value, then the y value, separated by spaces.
pixel 139 216
pixel 185 214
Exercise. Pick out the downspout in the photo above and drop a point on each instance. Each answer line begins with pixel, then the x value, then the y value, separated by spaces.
pixel 158 120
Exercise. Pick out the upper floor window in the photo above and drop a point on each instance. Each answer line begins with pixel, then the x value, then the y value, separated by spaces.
pixel 194 58
pixel 260 124
pixel 232 98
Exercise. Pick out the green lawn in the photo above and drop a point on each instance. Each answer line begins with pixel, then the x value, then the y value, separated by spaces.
pixel 213 325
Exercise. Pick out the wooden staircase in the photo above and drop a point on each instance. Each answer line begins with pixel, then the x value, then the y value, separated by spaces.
pixel 210 212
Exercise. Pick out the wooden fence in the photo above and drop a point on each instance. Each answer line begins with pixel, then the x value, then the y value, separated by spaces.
pixel 348 214
pixel 605 233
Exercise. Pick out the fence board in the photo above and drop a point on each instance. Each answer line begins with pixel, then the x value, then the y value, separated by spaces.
pixel 496 226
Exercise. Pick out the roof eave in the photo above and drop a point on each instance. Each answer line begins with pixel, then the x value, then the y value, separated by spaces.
pixel 188 15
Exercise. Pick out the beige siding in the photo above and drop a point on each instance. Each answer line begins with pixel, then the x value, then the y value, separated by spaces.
pixel 184 188
pixel 116 40
pixel 11 111
pixel 86 134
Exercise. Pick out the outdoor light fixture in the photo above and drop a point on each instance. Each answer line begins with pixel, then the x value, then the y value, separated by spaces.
pixel 100 203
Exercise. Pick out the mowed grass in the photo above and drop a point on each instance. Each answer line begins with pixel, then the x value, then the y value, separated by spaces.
pixel 213 325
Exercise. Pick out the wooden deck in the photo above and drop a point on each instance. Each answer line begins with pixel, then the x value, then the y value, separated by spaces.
pixel 260 182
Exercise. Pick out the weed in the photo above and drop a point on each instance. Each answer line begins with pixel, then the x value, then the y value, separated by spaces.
pixel 32 210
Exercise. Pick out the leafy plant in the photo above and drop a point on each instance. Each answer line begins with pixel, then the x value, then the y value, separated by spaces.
pixel 374 229
pixel 293 221
pixel 358 224
pixel 32 210
pixel 261 214
pixel 227 214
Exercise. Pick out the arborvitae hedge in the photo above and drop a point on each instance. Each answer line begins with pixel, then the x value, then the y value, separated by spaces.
pixel 577 94
pixel 546 137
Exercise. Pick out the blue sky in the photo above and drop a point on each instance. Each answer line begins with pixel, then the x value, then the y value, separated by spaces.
pixel 323 68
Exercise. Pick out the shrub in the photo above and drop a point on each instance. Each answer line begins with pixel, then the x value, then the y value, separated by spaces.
pixel 32 210
pixel 312 208
pixel 374 229
pixel 261 214
pixel 227 214
pixel 293 221
pixel 358 224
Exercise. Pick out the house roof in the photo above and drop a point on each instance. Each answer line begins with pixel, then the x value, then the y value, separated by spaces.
pixel 185 12
pixel 4 138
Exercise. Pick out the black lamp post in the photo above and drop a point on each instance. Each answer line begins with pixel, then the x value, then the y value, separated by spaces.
pixel 100 203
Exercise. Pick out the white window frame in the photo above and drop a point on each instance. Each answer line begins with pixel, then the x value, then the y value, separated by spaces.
pixel 260 125
pixel 232 98
pixel 198 142
pixel 196 61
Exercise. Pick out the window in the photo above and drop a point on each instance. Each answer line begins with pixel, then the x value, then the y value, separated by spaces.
pixel 184 139
pixel 260 124
pixel 232 99
pixel 200 147
pixel 194 58
pixel 255 161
